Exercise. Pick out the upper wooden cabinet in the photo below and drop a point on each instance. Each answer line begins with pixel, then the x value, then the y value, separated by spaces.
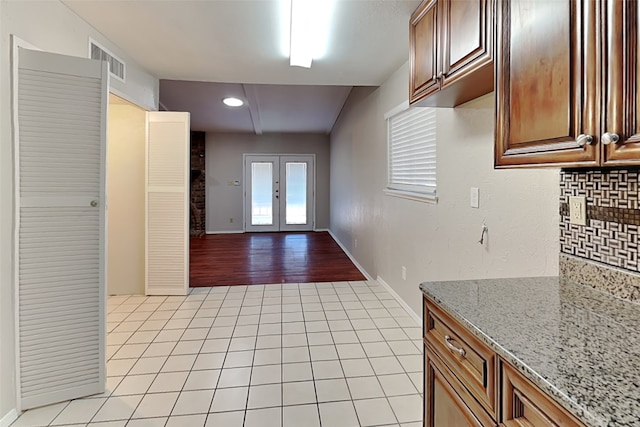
pixel 451 55
pixel 566 78
pixel 622 76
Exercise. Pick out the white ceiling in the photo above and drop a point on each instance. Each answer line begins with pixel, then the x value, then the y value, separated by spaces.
pixel 268 108
pixel 240 41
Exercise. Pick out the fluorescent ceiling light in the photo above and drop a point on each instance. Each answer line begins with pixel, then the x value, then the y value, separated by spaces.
pixel 310 24
pixel 233 102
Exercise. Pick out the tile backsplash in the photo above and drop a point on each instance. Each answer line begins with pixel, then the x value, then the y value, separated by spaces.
pixel 613 216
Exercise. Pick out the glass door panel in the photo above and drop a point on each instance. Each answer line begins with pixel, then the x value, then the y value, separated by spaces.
pixel 262 207
pixel 297 207
pixel 296 193
pixel 261 194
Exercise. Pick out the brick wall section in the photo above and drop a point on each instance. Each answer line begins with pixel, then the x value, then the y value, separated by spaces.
pixel 613 216
pixel 198 204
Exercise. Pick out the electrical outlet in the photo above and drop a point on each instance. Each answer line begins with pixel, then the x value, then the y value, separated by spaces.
pixel 404 273
pixel 355 243
pixel 578 210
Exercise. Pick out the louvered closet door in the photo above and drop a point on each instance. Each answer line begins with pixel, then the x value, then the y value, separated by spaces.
pixel 61 104
pixel 168 175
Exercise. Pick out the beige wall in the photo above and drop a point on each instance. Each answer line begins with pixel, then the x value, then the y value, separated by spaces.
pixel 125 195
pixel 224 163
pixel 438 241
pixel 51 26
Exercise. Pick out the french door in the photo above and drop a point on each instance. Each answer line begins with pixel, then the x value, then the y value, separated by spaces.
pixel 279 192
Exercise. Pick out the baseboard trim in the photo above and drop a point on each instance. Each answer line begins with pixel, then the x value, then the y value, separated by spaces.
pixel 225 232
pixel 9 418
pixel 321 230
pixel 353 260
pixel 402 302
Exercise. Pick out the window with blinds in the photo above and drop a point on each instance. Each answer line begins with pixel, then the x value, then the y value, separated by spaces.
pixel 412 153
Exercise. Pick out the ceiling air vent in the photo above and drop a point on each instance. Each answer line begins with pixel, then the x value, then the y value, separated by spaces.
pixel 116 65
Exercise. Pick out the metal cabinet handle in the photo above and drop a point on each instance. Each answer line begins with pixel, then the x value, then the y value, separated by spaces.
pixel 94 203
pixel 440 75
pixel 460 351
pixel 583 140
pixel 609 138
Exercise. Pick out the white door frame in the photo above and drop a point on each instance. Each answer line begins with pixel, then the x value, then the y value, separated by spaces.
pixel 16 43
pixel 246 173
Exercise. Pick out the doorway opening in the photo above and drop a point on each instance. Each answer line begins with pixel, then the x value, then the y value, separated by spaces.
pixel 126 139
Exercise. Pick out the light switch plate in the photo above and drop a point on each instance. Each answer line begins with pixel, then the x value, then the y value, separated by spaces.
pixel 474 197
pixel 578 210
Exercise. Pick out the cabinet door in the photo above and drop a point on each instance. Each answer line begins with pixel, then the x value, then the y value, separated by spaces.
pixel 622 77
pixel 467 39
pixel 443 404
pixel 547 83
pixel 424 50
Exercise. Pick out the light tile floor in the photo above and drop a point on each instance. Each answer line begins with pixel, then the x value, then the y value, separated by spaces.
pixel 342 354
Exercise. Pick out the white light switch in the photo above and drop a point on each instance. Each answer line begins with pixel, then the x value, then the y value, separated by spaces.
pixel 475 197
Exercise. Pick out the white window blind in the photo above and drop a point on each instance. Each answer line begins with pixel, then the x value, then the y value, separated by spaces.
pixel 412 152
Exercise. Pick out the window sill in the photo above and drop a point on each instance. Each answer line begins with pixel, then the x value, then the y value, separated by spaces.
pixel 417 197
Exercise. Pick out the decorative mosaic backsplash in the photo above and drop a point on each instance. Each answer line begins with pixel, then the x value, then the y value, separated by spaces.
pixel 613 216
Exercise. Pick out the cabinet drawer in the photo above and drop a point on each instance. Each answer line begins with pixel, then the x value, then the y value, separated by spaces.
pixel 471 361
pixel 523 404
pixel 447 402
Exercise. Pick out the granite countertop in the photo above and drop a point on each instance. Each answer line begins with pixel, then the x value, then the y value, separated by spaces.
pixel 579 345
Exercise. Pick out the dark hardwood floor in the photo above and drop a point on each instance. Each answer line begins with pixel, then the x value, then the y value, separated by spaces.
pixel 262 258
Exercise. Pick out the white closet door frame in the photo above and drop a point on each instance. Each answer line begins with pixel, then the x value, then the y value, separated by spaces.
pixel 167 247
pixel 59 61
pixel 16 43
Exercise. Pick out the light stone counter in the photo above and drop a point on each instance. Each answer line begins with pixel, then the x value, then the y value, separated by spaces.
pixel 579 345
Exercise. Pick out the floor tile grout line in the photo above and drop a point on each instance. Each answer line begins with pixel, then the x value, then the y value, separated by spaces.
pixel 160 370
pixel 215 388
pixel 353 405
pixel 107 374
pixel 398 360
pixel 190 370
pixel 170 354
pixel 253 358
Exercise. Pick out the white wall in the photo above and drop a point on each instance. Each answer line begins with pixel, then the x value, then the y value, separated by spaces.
pixel 126 196
pixel 224 163
pixel 53 27
pixel 438 241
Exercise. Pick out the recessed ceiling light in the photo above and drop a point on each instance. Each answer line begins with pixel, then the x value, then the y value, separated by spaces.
pixel 233 102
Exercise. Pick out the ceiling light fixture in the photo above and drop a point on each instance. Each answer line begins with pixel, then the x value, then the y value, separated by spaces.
pixel 309 30
pixel 233 102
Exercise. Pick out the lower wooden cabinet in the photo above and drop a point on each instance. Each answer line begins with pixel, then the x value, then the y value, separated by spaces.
pixel 466 384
